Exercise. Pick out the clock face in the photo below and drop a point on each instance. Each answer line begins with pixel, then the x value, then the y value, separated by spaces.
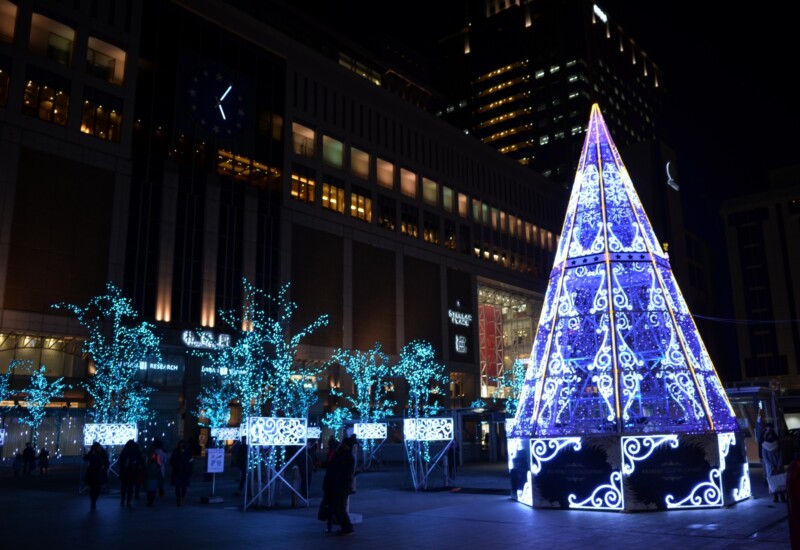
pixel 216 102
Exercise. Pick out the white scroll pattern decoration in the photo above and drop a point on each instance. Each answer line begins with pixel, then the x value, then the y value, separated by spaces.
pixel 638 448
pixel 428 429
pixel 543 450
pixel 605 497
pixel 707 494
pixel 225 434
pixel 2 437
pixel 370 430
pixel 743 491
pixel 109 434
pixel 271 431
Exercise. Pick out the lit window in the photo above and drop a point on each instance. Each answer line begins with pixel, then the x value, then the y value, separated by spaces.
pixel 385 172
pixel 570 63
pixel 572 78
pixel 430 228
pixel 495 218
pixel 559 135
pixel 302 186
pixel 361 206
pixel 52 39
pixel 539 74
pixel 554 69
pixel 463 202
pixel 409 221
pixel 544 140
pixel 333 197
pixel 105 61
pixel 573 95
pixel 408 183
pixel 447 199
pixel 476 210
pixel 576 130
pixel 332 152
pixel 101 115
pixel 46 101
pixel 359 163
pixel 302 140
pixel 8 17
pixel 430 192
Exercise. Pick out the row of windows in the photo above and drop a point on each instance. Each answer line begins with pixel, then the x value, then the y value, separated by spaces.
pixel 409 184
pixel 57 41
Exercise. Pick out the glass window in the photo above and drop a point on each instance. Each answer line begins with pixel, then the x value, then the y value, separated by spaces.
pixel 302 140
pixel 485 214
pixel 332 152
pixel 361 205
pixel 408 183
pixel 387 216
pixel 385 170
pixel 447 199
pixel 52 39
pixel 46 100
pixel 333 195
pixel 430 228
pixel 463 205
pixel 359 163
pixel 495 219
pixel 512 225
pixel 101 115
pixel 450 234
pixel 8 18
pixel 430 191
pixel 409 221
pixel 476 210
pixel 303 184
pixel 105 61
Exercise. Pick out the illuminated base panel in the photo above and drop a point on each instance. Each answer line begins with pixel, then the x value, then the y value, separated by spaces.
pixel 630 473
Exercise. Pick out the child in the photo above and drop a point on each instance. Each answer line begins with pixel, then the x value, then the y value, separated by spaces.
pixel 152 478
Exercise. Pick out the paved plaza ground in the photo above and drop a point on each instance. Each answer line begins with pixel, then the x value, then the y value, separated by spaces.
pixel 475 512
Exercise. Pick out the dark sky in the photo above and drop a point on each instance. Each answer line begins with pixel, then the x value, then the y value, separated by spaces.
pixel 728 72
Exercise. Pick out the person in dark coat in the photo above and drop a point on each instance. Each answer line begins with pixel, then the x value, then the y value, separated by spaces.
pixel 44 461
pixel 153 478
pixel 28 460
pixel 240 452
pixel 96 471
pixel 131 465
pixel 182 463
pixel 338 484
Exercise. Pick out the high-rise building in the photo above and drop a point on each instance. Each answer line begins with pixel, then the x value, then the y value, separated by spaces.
pixel 762 233
pixel 522 74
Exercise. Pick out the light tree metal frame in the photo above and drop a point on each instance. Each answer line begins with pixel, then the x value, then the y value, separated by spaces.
pixel 617 352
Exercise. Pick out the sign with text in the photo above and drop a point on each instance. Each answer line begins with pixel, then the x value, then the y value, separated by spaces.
pixel 215 463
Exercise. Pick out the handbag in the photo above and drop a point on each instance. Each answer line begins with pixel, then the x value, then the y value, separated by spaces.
pixel 777 483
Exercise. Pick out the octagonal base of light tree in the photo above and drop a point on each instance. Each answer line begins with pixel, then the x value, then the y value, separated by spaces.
pixel 653 472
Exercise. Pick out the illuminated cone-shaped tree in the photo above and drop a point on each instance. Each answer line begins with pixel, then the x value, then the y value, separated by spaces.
pixel 39 393
pixel 117 343
pixel 616 351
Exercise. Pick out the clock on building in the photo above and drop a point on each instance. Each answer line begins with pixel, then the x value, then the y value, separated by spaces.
pixel 216 102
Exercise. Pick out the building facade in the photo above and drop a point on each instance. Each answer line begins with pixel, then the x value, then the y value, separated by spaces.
pixel 177 148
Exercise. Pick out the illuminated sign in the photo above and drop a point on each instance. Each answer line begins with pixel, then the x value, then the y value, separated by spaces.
pixel 460 319
pixel 222 371
pixel 461 344
pixel 144 365
pixel 205 340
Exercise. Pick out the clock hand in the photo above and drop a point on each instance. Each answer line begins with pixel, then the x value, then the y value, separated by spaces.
pixel 221 111
pixel 219 101
pixel 226 93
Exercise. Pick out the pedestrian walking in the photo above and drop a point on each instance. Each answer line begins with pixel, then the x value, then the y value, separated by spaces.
pixel 772 458
pixel 44 461
pixel 17 464
pixel 131 464
pixel 96 471
pixel 240 452
pixel 153 479
pixel 28 459
pixel 182 463
pixel 337 485
pixel 161 455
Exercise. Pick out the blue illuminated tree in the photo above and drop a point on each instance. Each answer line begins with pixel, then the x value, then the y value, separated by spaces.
pixel 425 377
pixel 39 393
pixel 336 419
pixel 6 393
pixel 509 386
pixel 371 373
pixel 261 361
pixel 117 343
pixel 214 404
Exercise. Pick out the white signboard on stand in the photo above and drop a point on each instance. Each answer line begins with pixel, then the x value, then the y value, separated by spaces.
pixel 215 463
